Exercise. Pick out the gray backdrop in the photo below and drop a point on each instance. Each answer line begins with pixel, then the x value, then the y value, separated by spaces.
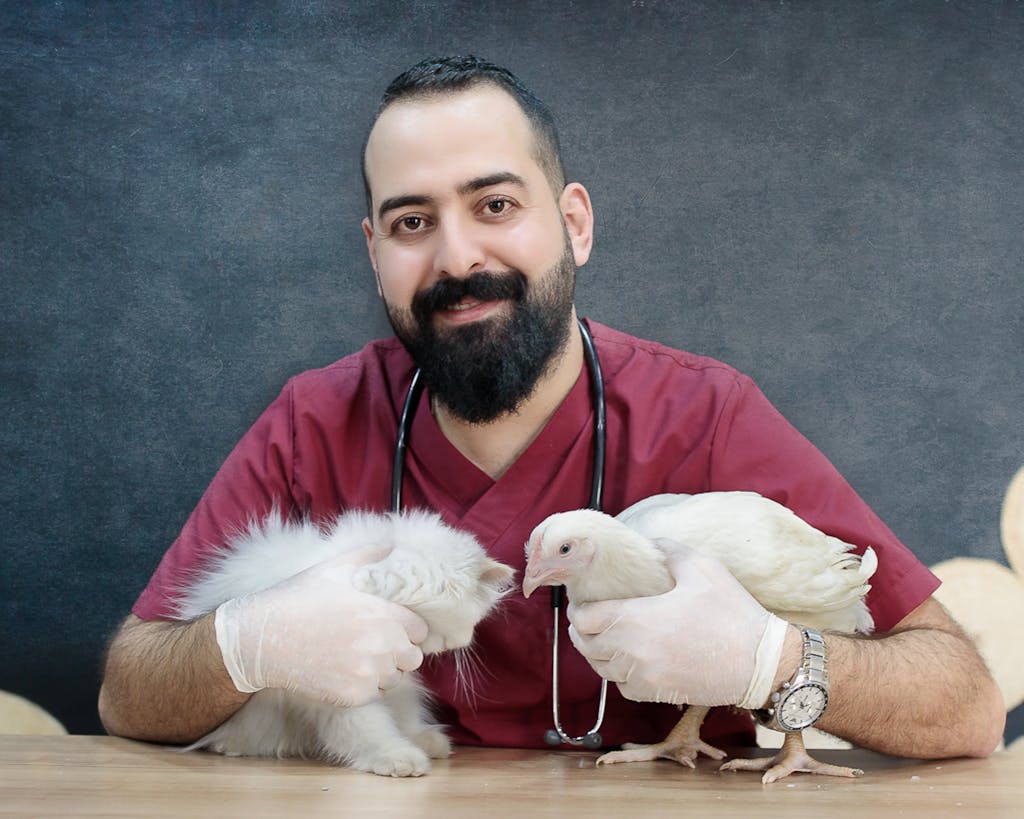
pixel 829 196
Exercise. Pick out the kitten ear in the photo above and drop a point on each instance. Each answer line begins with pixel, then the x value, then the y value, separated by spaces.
pixel 493 573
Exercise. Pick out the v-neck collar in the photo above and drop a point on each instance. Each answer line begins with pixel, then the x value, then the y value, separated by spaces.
pixel 490 504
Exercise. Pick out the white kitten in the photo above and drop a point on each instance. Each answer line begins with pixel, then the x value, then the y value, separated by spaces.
pixel 440 573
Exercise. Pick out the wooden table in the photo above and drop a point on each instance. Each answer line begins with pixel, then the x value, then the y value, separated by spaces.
pixel 79 776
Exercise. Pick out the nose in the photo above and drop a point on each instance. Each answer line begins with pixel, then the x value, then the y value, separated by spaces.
pixel 459 250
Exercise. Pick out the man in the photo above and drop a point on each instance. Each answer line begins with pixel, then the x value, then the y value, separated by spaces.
pixel 474 237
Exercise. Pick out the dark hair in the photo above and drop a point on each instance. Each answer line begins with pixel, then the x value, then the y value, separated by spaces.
pixel 447 75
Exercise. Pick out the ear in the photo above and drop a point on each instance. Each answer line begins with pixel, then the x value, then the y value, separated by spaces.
pixel 578 215
pixel 496 575
pixel 368 232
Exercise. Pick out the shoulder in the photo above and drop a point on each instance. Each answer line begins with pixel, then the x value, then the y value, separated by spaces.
pixel 381 369
pixel 629 360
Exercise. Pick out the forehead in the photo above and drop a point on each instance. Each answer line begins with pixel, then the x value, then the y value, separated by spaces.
pixel 429 144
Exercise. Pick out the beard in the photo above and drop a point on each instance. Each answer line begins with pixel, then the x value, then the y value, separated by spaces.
pixel 489 368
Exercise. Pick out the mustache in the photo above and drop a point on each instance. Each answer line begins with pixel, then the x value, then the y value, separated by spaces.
pixel 484 285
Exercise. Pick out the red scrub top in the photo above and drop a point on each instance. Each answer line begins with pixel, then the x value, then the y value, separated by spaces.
pixel 677 422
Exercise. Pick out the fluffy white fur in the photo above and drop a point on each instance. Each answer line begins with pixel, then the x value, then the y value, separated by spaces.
pixel 440 573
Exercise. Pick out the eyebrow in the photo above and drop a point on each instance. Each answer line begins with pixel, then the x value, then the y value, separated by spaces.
pixel 473 185
pixel 500 178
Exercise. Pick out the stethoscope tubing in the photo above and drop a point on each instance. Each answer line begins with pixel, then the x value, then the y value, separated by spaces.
pixel 557 735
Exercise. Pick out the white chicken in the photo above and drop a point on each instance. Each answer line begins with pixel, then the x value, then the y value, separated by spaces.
pixel 795 571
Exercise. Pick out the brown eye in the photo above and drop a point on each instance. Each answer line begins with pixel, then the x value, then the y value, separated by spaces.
pixel 564 549
pixel 499 206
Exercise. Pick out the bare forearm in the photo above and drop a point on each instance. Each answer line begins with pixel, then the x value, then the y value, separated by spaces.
pixel 893 696
pixel 920 691
pixel 166 682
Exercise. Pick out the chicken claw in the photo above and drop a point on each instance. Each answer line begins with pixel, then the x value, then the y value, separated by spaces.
pixel 682 744
pixel 792 758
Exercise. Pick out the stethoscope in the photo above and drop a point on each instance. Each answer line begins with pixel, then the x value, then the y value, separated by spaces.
pixel 556 735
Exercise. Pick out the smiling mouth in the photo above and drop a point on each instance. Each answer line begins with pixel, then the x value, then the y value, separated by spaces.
pixel 470 310
pixel 466 304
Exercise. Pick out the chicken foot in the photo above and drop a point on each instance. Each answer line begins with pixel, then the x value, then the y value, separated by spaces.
pixel 792 757
pixel 682 744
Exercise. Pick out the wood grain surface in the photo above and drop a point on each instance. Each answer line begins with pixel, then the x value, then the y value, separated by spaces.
pixel 86 776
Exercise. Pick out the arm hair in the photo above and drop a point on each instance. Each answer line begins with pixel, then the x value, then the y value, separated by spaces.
pixel 920 690
pixel 165 681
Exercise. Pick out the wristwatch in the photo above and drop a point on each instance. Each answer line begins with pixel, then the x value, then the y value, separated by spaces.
pixel 801 701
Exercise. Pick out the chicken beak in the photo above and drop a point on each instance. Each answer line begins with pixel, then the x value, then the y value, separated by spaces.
pixel 537 576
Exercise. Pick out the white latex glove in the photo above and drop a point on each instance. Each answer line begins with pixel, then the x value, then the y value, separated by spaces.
pixel 704 642
pixel 315 634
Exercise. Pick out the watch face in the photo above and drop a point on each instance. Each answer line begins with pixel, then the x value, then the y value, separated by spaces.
pixel 802 706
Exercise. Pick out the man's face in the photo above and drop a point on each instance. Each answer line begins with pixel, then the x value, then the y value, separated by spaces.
pixel 474 259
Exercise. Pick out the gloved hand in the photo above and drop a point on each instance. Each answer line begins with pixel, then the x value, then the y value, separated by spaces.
pixel 705 642
pixel 316 634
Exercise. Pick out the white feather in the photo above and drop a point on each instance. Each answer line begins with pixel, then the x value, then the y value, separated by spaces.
pixel 791 568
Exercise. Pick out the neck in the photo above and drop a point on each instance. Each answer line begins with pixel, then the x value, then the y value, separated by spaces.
pixel 634 568
pixel 494 446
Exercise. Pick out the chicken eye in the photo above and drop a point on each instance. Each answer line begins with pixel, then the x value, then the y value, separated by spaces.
pixel 564 549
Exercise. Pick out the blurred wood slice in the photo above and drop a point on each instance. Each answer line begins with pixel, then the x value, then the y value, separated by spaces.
pixel 1012 523
pixel 20 716
pixel 987 600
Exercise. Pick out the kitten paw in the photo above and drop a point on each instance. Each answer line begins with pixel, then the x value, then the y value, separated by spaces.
pixel 407 760
pixel 434 742
pixel 225 747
